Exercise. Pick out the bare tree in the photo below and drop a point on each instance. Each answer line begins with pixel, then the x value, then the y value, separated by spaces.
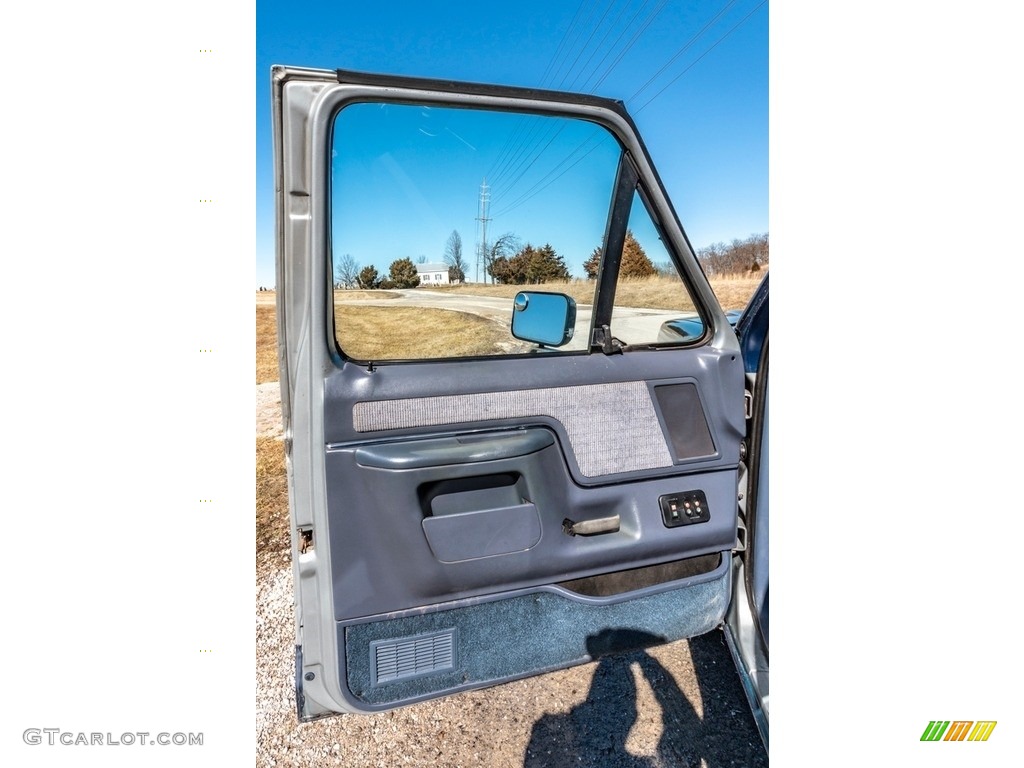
pixel 457 265
pixel 346 272
pixel 506 245
pixel 740 256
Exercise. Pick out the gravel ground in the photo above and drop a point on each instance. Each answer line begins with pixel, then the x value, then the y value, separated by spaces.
pixel 679 704
pixel 268 410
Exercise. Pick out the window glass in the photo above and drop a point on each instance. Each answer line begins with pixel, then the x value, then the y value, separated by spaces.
pixel 652 304
pixel 440 216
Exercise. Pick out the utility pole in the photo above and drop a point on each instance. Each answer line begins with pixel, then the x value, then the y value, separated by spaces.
pixel 482 217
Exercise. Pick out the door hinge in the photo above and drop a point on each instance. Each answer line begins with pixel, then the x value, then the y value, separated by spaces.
pixel 748 404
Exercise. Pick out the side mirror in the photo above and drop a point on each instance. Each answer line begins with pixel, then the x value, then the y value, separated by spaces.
pixel 543 318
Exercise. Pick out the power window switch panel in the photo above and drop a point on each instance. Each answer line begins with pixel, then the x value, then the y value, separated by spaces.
pixel 684 508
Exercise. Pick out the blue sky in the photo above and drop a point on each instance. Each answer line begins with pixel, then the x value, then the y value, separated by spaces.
pixel 693 74
pixel 406 177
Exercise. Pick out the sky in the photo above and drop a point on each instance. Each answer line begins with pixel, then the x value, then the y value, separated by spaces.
pixel 694 75
pixel 406 177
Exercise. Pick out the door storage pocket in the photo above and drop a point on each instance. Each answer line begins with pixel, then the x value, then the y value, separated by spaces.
pixel 480 533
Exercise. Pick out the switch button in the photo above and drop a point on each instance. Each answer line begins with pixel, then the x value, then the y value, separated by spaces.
pixel 684 508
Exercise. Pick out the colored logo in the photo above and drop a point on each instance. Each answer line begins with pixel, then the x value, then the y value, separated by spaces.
pixel 958 730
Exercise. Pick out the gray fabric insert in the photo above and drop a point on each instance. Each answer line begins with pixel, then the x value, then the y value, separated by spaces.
pixel 612 428
pixel 543 631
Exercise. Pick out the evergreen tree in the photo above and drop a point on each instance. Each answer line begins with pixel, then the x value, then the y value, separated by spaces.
pixel 635 262
pixel 368 277
pixel 402 274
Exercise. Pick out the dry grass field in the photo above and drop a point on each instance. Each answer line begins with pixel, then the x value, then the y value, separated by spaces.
pixel 410 332
pixel 461 334
pixel 374 333
pixel 266 343
pixel 394 333
pixel 272 537
pixel 651 292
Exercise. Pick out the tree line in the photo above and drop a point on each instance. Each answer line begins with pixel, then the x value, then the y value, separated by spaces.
pixel 736 258
pixel 508 261
pixel 401 274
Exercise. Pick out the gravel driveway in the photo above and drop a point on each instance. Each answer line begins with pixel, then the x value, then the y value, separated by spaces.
pixel 679 704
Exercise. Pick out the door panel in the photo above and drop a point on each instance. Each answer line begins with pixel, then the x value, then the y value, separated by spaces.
pixel 435 534
pixel 519 634
pixel 458 522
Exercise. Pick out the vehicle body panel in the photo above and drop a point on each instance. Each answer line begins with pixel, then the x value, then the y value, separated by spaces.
pixel 747 621
pixel 435 504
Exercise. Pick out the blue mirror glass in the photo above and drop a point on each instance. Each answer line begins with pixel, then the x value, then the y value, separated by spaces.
pixel 543 318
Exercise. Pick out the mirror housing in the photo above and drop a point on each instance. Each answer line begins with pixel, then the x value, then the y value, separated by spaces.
pixel 548 319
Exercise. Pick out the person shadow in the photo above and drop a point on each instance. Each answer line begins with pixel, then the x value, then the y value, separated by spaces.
pixel 594 733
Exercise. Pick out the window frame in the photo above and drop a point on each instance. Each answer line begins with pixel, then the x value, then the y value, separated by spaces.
pixel 530 103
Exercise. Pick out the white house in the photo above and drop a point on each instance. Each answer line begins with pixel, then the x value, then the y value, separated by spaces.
pixel 432 274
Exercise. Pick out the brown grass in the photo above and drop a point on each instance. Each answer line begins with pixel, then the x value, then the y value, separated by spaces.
pixel 420 333
pixel 651 292
pixel 393 333
pixel 266 343
pixel 272 536
pixel 359 295
pixel 735 292
pixel 397 333
pixel 581 290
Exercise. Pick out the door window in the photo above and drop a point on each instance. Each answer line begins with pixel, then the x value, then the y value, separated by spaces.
pixel 505 200
pixel 652 304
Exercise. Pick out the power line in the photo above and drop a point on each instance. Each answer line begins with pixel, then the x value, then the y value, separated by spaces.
pixel 695 61
pixel 685 47
pixel 532 158
pixel 611 48
pixel 584 46
pixel 538 188
pixel 509 151
pixel 522 154
pixel 519 140
pixel 633 40
pixel 561 43
pixel 582 26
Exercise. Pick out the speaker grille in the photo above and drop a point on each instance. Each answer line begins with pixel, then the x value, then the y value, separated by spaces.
pixel 684 417
pixel 409 657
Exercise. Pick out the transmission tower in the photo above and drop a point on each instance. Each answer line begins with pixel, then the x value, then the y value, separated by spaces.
pixel 482 217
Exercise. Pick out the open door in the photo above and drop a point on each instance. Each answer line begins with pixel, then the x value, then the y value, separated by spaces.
pixel 489 482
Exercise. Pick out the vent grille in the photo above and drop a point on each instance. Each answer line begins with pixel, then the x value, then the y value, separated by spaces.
pixel 412 656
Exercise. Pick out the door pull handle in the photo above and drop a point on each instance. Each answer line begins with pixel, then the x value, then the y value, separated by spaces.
pixel 591 527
